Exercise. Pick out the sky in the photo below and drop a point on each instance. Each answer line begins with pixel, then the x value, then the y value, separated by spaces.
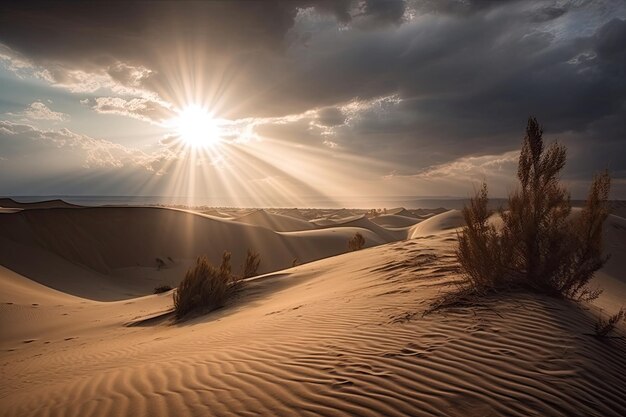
pixel 278 103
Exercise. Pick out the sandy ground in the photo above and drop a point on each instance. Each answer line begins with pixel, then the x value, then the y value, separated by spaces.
pixel 341 336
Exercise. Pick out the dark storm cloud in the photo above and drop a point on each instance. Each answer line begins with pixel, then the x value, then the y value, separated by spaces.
pixel 100 31
pixel 458 6
pixel 331 116
pixel 205 39
pixel 467 72
pixel 548 13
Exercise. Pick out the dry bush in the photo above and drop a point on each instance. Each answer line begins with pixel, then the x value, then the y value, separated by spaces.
pixel 540 246
pixel 251 266
pixel 160 263
pixel 205 287
pixel 604 327
pixel 480 251
pixel 357 242
pixel 161 289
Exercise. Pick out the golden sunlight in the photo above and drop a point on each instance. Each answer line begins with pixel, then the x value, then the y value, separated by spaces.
pixel 196 127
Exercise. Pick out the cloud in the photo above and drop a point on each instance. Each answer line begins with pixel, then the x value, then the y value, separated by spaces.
pixel 95 152
pixel 461 175
pixel 39 111
pixel 416 84
pixel 138 108
pixel 331 116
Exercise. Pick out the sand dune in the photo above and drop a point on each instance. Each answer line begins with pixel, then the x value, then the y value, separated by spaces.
pixel 293 212
pixel 10 203
pixel 394 220
pixel 363 222
pixel 277 222
pixel 399 211
pixel 109 253
pixel 343 336
pixel 438 223
pixel 612 278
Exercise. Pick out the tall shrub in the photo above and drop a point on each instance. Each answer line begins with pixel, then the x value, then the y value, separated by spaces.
pixel 540 246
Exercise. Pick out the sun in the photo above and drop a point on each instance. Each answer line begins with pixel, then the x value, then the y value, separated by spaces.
pixel 196 127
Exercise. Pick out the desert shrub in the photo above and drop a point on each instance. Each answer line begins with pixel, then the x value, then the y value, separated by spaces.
pixel 357 242
pixel 205 287
pixel 160 263
pixel 604 327
pixel 540 246
pixel 251 265
pixel 161 289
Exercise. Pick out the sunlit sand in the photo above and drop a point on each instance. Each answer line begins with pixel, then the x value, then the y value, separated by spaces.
pixel 82 333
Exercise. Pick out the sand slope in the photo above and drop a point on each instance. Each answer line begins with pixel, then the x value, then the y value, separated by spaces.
pixel 363 222
pixel 612 277
pixel 394 220
pixel 276 222
pixel 344 336
pixel 444 222
pixel 109 253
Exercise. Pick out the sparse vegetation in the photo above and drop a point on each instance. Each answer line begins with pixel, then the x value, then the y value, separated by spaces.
pixel 604 327
pixel 205 287
pixel 540 245
pixel 357 242
pixel 251 265
pixel 161 289
pixel 160 263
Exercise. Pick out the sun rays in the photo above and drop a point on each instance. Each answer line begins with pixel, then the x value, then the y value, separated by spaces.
pixel 213 154
pixel 196 127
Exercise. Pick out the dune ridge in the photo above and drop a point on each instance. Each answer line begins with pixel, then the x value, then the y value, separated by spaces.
pixel 274 221
pixel 55 203
pixel 107 247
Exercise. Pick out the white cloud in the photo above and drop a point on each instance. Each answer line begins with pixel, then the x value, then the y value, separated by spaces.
pixel 331 144
pixel 474 167
pixel 97 152
pixel 459 176
pixel 39 111
pixel 149 110
pixel 119 78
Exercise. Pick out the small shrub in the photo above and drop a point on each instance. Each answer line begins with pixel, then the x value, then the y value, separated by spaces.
pixel 540 246
pixel 357 242
pixel 295 262
pixel 604 327
pixel 251 265
pixel 162 289
pixel 205 287
pixel 160 263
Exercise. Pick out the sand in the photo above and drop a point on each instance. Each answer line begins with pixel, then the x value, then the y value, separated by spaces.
pixel 340 336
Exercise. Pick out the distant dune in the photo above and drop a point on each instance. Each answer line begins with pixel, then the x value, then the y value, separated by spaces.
pixel 277 222
pixel 395 220
pixel 98 250
pixel 436 224
pixel 10 203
